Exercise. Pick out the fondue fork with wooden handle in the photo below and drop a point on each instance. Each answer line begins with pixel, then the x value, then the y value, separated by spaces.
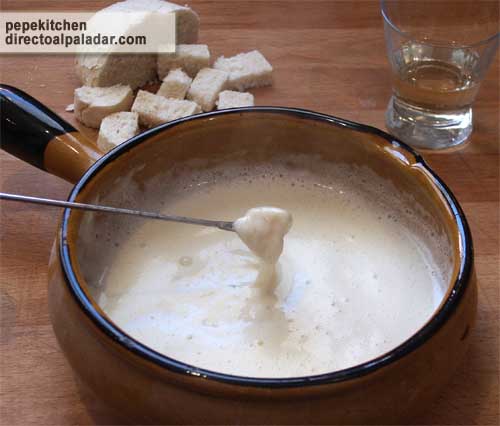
pixel 223 225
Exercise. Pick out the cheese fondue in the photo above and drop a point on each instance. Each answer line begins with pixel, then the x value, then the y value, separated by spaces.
pixel 262 229
pixel 355 279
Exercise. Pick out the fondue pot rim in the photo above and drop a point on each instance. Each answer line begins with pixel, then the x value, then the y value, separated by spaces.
pixel 439 317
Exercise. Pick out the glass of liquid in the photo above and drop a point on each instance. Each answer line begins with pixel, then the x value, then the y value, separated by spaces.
pixel 439 51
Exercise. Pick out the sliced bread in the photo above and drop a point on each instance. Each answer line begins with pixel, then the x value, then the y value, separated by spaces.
pixel 246 70
pixel 92 104
pixel 190 57
pixel 117 128
pixel 175 85
pixel 231 99
pixel 154 110
pixel 206 87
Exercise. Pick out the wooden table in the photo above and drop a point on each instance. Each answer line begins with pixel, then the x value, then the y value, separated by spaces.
pixel 329 56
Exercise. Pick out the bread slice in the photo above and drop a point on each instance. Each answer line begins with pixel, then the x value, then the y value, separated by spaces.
pixel 230 99
pixel 206 87
pixel 92 104
pixel 134 69
pixel 117 128
pixel 154 110
pixel 246 70
pixel 190 57
pixel 175 85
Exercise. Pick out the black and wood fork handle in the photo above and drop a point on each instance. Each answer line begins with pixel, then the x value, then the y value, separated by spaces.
pixel 35 134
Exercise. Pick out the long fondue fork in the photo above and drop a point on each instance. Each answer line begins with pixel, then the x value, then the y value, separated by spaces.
pixel 225 226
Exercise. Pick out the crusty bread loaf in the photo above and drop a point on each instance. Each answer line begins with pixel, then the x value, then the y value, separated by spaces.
pixel 190 57
pixel 154 110
pixel 206 87
pixel 246 70
pixel 107 70
pixel 134 69
pixel 175 85
pixel 230 99
pixel 117 128
pixel 92 104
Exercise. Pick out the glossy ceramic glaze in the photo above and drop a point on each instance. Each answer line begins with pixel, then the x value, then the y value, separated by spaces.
pixel 143 386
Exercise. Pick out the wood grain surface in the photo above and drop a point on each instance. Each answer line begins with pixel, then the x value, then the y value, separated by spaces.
pixel 329 56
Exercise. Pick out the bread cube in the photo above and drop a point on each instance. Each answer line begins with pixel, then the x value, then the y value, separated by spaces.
pixel 175 85
pixel 206 87
pixel 230 99
pixel 117 128
pixel 190 57
pixel 154 110
pixel 246 70
pixel 92 104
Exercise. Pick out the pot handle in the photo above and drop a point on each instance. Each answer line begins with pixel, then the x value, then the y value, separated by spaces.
pixel 35 134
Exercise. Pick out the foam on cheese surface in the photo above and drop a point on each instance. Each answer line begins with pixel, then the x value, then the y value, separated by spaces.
pixel 356 277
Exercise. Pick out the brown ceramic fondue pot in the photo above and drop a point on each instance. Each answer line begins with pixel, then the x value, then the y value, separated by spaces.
pixel 145 386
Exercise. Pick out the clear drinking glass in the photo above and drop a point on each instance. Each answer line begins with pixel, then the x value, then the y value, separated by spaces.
pixel 439 52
